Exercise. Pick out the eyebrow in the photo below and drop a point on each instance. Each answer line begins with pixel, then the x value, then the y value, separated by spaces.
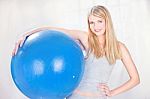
pixel 96 20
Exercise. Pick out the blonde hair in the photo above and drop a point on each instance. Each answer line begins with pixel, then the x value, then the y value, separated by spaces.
pixel 111 47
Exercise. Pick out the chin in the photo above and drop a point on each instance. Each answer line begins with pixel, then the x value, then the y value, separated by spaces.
pixel 99 34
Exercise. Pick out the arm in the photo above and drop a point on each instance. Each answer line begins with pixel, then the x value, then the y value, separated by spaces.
pixel 132 71
pixel 75 34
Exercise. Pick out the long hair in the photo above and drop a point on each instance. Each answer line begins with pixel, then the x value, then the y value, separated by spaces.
pixel 111 48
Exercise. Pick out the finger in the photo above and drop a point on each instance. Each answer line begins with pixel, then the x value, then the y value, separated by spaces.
pixel 16 48
pixel 22 41
pixel 108 92
pixel 13 52
pixel 103 84
pixel 105 90
pixel 21 44
pixel 106 87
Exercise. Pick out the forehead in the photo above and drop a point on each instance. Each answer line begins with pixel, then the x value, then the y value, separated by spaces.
pixel 94 18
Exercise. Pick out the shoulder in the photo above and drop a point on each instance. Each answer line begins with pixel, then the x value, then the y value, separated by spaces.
pixel 122 46
pixel 124 50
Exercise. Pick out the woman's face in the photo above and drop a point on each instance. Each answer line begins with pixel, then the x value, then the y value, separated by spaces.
pixel 97 25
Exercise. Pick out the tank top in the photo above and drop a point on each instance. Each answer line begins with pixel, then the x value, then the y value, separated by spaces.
pixel 97 70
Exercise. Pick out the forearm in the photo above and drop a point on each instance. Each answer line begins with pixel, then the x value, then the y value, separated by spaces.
pixel 126 86
pixel 131 69
pixel 66 31
pixel 43 28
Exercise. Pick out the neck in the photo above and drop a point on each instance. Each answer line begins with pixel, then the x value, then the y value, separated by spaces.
pixel 102 40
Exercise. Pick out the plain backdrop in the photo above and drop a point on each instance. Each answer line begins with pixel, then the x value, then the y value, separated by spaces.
pixel 131 22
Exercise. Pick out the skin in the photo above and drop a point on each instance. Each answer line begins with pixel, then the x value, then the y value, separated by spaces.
pixel 97 26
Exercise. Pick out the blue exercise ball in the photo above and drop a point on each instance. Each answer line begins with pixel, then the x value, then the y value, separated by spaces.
pixel 49 65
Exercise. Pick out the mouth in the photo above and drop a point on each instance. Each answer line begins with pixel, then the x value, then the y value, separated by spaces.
pixel 97 30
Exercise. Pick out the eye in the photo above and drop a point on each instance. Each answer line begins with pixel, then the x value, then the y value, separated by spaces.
pixel 100 21
pixel 91 22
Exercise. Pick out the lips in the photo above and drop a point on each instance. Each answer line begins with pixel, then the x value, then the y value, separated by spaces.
pixel 97 30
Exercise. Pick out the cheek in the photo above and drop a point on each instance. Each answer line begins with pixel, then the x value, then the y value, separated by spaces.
pixel 102 25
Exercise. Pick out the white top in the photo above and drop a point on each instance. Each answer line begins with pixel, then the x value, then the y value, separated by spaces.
pixel 96 71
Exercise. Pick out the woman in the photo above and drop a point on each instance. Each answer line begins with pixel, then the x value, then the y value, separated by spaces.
pixel 103 49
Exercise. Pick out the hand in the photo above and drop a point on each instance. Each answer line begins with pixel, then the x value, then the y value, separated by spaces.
pixel 18 44
pixel 105 89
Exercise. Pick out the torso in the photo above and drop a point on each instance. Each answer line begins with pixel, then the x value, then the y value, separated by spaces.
pixel 96 71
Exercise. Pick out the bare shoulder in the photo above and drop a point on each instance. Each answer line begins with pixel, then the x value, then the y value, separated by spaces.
pixel 122 46
pixel 124 50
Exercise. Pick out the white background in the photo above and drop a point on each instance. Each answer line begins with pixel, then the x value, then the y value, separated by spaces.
pixel 131 22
